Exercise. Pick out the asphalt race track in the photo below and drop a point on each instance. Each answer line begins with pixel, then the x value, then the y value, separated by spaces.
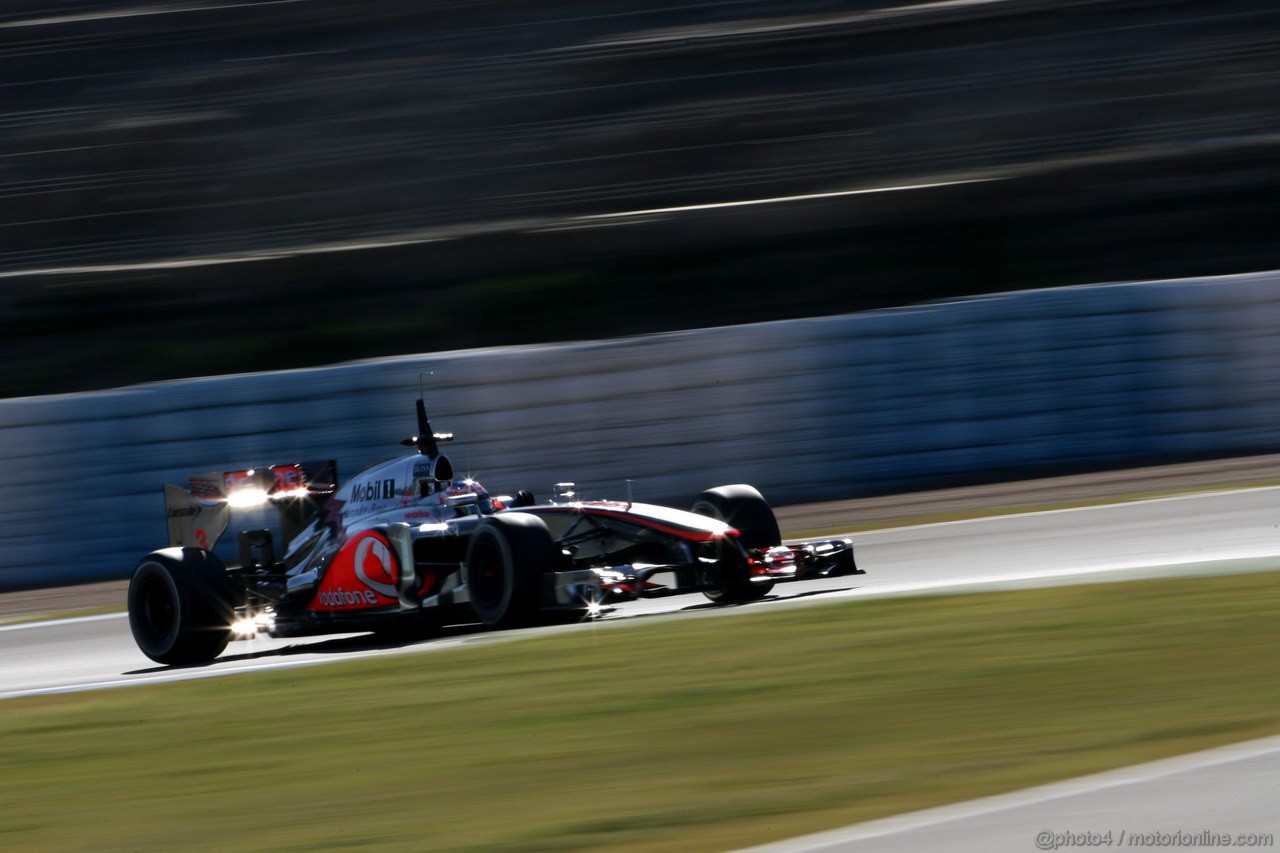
pixel 1223 532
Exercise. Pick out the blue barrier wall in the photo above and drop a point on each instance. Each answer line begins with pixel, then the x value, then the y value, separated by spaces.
pixel 811 409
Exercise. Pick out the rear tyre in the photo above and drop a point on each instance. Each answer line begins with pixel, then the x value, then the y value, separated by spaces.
pixel 181 606
pixel 744 508
pixel 506 558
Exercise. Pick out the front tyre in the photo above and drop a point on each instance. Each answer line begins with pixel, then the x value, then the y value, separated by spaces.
pixel 745 509
pixel 181 606
pixel 506 558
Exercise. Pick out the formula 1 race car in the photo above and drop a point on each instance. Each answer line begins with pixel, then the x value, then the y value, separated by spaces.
pixel 407 546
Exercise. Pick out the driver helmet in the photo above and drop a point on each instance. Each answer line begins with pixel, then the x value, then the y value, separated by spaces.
pixel 463 488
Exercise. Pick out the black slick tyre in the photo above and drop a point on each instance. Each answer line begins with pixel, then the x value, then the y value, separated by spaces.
pixel 506 558
pixel 744 508
pixel 181 606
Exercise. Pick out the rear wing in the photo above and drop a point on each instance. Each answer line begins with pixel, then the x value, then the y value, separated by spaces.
pixel 199 515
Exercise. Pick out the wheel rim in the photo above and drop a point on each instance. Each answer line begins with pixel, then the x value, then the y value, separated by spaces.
pixel 157 608
pixel 485 575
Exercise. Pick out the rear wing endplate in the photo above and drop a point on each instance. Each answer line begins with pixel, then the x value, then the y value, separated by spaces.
pixel 198 516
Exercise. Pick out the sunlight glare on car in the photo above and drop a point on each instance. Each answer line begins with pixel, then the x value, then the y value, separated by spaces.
pixel 244 627
pixel 250 625
pixel 244 498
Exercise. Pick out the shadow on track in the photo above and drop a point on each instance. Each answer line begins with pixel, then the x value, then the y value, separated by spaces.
pixel 355 643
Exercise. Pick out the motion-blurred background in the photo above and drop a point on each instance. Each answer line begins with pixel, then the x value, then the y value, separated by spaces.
pixel 199 188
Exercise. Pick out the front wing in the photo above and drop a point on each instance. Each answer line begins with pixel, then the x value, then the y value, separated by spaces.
pixel 781 563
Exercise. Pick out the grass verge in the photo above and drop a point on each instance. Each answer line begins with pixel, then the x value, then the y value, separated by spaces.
pixel 700 734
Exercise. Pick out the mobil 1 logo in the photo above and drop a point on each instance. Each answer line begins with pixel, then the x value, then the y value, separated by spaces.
pixel 373 490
